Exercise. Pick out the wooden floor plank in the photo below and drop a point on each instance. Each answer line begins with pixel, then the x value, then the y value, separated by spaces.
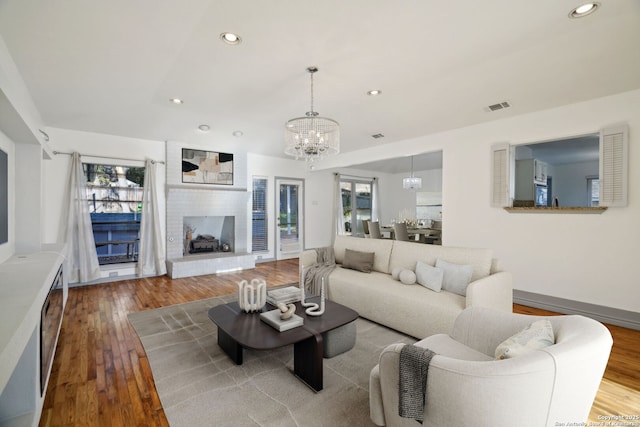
pixel 101 375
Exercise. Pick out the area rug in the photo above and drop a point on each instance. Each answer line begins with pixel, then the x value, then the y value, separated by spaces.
pixel 199 385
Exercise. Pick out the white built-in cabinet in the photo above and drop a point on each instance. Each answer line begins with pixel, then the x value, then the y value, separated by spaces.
pixel 32 287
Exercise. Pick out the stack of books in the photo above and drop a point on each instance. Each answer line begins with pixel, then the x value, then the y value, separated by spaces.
pixel 287 295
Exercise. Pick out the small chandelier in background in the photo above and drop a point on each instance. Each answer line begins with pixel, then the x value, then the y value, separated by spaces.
pixel 413 182
pixel 311 137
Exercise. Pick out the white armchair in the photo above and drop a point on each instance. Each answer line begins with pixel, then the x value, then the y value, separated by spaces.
pixel 467 386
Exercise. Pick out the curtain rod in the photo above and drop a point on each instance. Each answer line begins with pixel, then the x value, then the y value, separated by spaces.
pixel 109 157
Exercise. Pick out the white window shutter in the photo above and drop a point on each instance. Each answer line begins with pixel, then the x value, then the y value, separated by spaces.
pixel 614 148
pixel 501 175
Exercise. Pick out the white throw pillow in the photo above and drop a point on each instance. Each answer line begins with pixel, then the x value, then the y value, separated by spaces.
pixel 456 277
pixel 395 273
pixel 407 277
pixel 428 276
pixel 534 337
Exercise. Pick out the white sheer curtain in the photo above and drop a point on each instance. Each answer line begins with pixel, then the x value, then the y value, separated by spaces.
pixel 81 261
pixel 338 215
pixel 151 259
pixel 375 201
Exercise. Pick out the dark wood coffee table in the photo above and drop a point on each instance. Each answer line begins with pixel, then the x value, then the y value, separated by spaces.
pixel 238 330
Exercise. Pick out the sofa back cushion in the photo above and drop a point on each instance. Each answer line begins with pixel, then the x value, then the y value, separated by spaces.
pixel 407 254
pixel 381 248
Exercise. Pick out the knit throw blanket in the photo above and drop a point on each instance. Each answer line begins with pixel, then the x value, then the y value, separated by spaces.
pixel 414 368
pixel 313 275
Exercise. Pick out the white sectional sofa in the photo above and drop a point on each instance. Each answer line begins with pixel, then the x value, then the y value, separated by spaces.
pixel 412 309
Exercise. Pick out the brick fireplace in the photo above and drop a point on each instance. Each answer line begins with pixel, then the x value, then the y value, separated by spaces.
pixel 222 212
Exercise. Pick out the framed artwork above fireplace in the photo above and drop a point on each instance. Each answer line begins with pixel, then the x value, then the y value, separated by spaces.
pixel 207 167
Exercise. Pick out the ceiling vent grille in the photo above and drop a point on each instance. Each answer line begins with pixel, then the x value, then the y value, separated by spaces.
pixel 498 106
pixel 377 136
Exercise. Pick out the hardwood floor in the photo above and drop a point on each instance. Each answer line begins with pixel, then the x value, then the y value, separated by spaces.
pixel 101 376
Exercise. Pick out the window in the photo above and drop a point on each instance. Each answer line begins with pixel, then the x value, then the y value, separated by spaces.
pixel 259 232
pixel 356 205
pixel 114 194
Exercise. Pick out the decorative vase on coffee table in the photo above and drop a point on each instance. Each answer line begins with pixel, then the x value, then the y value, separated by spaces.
pixel 252 296
pixel 312 309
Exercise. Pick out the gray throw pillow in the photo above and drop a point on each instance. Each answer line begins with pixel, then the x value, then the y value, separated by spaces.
pixel 355 260
pixel 428 276
pixel 456 277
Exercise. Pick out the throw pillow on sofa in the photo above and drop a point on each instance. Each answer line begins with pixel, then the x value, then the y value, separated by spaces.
pixel 456 277
pixel 536 336
pixel 407 277
pixel 356 260
pixel 428 276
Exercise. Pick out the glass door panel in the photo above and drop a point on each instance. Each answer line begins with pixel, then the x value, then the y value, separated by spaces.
pixel 290 224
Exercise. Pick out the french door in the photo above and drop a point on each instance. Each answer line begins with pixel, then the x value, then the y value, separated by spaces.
pixel 290 218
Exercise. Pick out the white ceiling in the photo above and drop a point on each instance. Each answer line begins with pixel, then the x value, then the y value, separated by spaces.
pixel 112 66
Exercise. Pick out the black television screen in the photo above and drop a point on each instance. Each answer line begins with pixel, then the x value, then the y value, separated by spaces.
pixel 4 197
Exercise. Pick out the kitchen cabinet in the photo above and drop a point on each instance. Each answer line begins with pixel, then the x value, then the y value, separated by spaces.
pixel 540 172
pixel 529 173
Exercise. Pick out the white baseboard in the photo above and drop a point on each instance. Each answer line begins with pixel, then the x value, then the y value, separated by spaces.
pixel 613 316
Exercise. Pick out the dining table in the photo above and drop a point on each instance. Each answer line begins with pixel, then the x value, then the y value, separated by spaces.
pixel 419 234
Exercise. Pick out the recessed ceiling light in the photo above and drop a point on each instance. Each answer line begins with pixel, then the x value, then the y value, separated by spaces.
pixel 584 10
pixel 374 92
pixel 237 133
pixel 177 101
pixel 204 128
pixel 230 38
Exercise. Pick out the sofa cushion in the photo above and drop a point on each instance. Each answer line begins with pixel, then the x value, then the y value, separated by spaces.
pixel 455 277
pixel 428 276
pixel 356 260
pixel 407 254
pixel 413 310
pixel 381 248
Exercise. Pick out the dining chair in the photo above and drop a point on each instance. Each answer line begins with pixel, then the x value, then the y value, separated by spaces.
pixel 365 227
pixel 374 230
pixel 400 231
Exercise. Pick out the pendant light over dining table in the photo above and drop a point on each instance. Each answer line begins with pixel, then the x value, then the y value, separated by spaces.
pixel 413 182
pixel 311 137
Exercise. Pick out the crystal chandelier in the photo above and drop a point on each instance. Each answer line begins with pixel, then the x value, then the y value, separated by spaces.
pixel 412 182
pixel 311 137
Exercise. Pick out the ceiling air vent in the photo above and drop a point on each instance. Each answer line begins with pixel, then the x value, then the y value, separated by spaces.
pixel 498 106
pixel 377 136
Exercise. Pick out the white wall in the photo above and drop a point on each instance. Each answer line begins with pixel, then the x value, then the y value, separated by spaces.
pixel 8 249
pixel 586 258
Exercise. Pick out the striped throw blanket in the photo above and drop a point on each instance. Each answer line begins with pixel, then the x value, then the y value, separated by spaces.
pixel 313 275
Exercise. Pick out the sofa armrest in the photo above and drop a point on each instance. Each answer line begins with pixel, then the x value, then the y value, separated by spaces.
pixel 461 392
pixel 376 410
pixel 494 291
